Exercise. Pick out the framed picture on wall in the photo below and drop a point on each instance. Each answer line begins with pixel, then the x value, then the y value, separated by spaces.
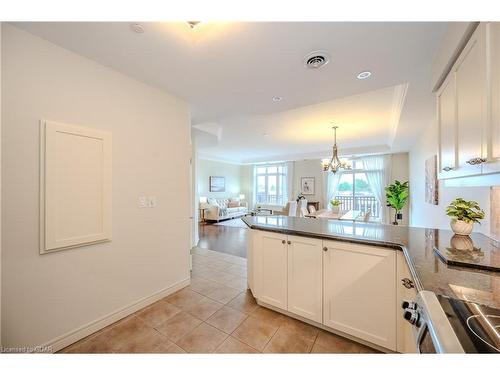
pixel 307 185
pixel 217 184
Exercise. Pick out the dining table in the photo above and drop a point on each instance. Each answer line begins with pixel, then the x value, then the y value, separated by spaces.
pixel 351 215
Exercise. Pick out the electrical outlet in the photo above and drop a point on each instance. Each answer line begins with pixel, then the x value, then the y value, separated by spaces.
pixel 142 202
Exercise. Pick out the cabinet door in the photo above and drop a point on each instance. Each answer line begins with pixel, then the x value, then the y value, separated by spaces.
pixel 270 268
pixel 406 290
pixel 471 90
pixel 305 277
pixel 360 291
pixel 491 141
pixel 447 125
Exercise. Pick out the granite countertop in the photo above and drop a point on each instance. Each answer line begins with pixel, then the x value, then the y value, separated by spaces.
pixel 429 269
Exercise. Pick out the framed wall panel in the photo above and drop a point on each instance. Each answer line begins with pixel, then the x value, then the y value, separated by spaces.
pixel 75 186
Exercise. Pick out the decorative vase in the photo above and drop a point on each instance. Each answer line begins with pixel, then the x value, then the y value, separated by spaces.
pixel 335 209
pixel 461 227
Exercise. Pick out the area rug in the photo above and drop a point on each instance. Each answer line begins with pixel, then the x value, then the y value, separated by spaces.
pixel 235 223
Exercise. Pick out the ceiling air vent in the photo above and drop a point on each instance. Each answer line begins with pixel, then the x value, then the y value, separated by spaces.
pixel 316 59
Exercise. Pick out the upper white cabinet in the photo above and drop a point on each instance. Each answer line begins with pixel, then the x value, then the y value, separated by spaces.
pixel 305 277
pixel 491 140
pixel 360 291
pixel 270 254
pixel 471 90
pixel 468 108
pixel 446 108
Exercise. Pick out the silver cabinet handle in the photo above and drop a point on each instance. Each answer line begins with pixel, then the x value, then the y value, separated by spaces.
pixel 476 161
pixel 283 242
pixel 325 249
pixel 407 283
pixel 289 242
pixel 447 169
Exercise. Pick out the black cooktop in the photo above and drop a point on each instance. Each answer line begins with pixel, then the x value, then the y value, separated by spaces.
pixel 476 326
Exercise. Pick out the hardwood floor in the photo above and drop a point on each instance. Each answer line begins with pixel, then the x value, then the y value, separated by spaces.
pixel 224 239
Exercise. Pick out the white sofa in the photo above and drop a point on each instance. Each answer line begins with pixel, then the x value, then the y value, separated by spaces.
pixel 222 209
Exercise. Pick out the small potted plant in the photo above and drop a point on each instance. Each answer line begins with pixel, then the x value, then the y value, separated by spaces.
pixel 463 216
pixel 397 195
pixel 335 205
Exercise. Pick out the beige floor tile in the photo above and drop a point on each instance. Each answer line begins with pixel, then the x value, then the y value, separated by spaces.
pixel 296 327
pixel 218 265
pixel 237 282
pixel 244 302
pixel 203 309
pixel 96 344
pixel 203 339
pixel 223 294
pixel 178 326
pixel 220 277
pixel 233 346
pixel 327 342
pixel 203 286
pixel 268 315
pixel 184 298
pixel 168 349
pixel 285 341
pixel 227 319
pixel 237 270
pixel 199 251
pixel 143 342
pixel 157 313
pixel 237 260
pixel 255 332
pixel 200 259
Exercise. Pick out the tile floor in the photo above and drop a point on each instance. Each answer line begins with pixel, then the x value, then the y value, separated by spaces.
pixel 214 314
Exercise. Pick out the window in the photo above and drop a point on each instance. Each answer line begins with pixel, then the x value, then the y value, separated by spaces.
pixel 354 191
pixel 270 184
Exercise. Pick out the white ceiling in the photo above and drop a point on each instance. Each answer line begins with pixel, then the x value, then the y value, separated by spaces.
pixel 229 72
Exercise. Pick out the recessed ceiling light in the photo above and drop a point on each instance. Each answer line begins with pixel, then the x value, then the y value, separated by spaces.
pixel 137 27
pixel 364 75
pixel 277 98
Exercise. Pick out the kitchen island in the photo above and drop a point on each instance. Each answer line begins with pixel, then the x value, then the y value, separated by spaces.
pixel 351 277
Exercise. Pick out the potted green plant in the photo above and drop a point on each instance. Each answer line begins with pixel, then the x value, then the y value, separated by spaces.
pixel 335 205
pixel 463 215
pixel 397 195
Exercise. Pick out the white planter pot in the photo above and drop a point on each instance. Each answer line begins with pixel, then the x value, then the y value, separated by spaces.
pixel 461 227
pixel 335 209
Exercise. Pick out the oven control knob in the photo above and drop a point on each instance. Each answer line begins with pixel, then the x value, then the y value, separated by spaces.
pixel 411 316
pixel 409 305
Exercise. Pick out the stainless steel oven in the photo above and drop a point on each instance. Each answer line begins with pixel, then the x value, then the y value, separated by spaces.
pixel 447 325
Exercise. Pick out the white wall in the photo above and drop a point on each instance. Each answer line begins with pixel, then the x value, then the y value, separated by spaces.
pixel 308 168
pixel 431 216
pixel 46 296
pixel 231 172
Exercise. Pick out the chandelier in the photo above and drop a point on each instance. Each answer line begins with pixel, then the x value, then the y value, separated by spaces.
pixel 334 164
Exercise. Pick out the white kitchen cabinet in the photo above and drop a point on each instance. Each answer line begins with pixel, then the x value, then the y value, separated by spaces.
pixel 305 277
pixel 270 265
pixel 406 291
pixel 359 296
pixel 471 101
pixel 447 124
pixel 491 140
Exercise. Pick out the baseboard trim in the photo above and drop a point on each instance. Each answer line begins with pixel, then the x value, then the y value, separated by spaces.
pixel 71 337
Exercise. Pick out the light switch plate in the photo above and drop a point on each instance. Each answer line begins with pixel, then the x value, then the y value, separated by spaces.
pixel 142 202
